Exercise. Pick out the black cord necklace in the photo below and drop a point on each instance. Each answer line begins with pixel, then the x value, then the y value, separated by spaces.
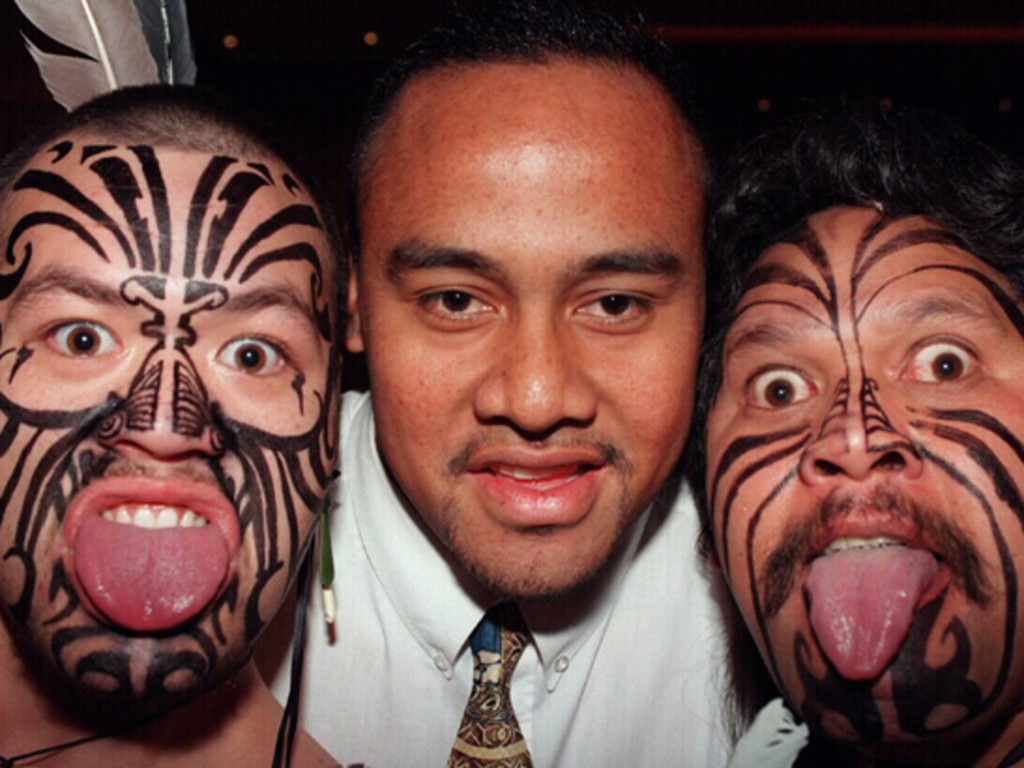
pixel 11 762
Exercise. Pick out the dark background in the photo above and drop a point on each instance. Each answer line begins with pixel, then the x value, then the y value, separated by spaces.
pixel 306 65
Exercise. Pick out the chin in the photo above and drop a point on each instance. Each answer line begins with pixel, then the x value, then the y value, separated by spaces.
pixel 107 677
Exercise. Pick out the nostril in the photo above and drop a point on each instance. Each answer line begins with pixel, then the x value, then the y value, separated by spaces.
pixel 892 461
pixel 827 468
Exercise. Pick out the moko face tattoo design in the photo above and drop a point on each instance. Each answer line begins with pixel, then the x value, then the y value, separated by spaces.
pixel 865 476
pixel 168 410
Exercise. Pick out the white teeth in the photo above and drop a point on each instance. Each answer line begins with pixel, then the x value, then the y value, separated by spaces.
pixel 524 473
pixel 154 516
pixel 167 518
pixel 840 545
pixel 144 518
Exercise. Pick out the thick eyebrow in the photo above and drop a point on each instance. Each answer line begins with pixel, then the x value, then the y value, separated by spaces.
pixel 912 312
pixel 413 255
pixel 634 262
pixel 258 299
pixel 56 280
pixel 760 335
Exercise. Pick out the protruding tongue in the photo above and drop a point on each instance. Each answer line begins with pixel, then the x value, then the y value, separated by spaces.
pixel 148 580
pixel 862 603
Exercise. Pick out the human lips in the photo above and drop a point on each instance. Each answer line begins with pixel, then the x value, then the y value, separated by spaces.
pixel 147 502
pixel 150 554
pixel 531 489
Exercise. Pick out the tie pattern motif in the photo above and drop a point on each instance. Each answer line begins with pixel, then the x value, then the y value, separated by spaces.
pixel 489 736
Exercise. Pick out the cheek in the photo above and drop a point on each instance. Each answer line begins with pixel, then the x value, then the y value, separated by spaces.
pixel 37 381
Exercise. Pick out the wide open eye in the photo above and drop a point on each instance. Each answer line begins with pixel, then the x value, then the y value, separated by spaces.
pixel 252 356
pixel 779 388
pixel 83 339
pixel 939 362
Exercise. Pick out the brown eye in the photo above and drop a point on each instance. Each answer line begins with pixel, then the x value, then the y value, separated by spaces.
pixel 779 389
pixel 456 301
pixel 946 367
pixel 779 393
pixel 938 363
pixel 455 304
pixel 252 356
pixel 83 339
pixel 616 304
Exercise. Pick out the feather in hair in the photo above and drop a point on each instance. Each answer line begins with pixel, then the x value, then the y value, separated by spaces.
pixel 112 41
pixel 165 25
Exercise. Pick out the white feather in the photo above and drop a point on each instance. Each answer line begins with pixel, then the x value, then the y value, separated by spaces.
pixel 774 739
pixel 165 25
pixel 113 45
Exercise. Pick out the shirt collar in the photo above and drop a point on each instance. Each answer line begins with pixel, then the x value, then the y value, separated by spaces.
pixel 437 601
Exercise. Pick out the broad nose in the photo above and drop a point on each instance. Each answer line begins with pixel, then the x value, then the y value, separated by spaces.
pixel 167 412
pixel 538 381
pixel 852 447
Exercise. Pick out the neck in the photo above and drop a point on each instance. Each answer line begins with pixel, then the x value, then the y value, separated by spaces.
pixel 239 718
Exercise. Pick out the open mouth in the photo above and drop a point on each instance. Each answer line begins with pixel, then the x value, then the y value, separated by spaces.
pixel 540 478
pixel 863 594
pixel 154 516
pixel 148 554
pixel 526 489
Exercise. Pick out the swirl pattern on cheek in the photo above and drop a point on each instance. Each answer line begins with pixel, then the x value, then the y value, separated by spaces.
pixel 948 671
pixel 176 271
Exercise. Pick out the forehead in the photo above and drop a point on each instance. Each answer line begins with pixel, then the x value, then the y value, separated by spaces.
pixel 855 257
pixel 470 140
pixel 178 212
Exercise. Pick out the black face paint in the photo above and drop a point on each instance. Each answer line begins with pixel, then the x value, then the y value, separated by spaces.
pixel 171 261
pixel 869 361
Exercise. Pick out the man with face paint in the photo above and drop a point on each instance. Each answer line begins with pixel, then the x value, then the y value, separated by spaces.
pixel 168 422
pixel 863 400
pixel 528 291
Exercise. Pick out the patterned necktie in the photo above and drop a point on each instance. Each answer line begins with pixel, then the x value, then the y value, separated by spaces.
pixel 489 736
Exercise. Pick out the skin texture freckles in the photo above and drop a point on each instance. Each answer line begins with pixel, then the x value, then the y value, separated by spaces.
pixel 872 382
pixel 166 319
pixel 529 296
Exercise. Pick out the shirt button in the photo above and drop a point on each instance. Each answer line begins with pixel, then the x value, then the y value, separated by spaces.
pixel 441 663
pixel 561 663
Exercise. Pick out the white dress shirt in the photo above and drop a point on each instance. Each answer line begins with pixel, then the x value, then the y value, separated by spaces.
pixel 628 674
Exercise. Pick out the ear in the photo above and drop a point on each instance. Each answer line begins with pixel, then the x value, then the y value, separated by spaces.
pixel 354 331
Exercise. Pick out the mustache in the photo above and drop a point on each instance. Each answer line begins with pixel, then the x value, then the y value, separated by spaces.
pixel 779 576
pixel 193 469
pixel 610 453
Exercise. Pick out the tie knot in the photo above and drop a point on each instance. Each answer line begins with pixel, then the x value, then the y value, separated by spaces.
pixel 490 736
pixel 498 642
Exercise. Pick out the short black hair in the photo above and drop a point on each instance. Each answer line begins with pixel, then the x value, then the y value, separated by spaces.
pixel 183 118
pixel 518 31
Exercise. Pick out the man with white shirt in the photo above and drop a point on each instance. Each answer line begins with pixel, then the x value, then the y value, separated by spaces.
pixel 528 290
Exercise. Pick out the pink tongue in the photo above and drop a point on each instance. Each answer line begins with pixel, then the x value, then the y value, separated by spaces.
pixel 862 603
pixel 149 580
